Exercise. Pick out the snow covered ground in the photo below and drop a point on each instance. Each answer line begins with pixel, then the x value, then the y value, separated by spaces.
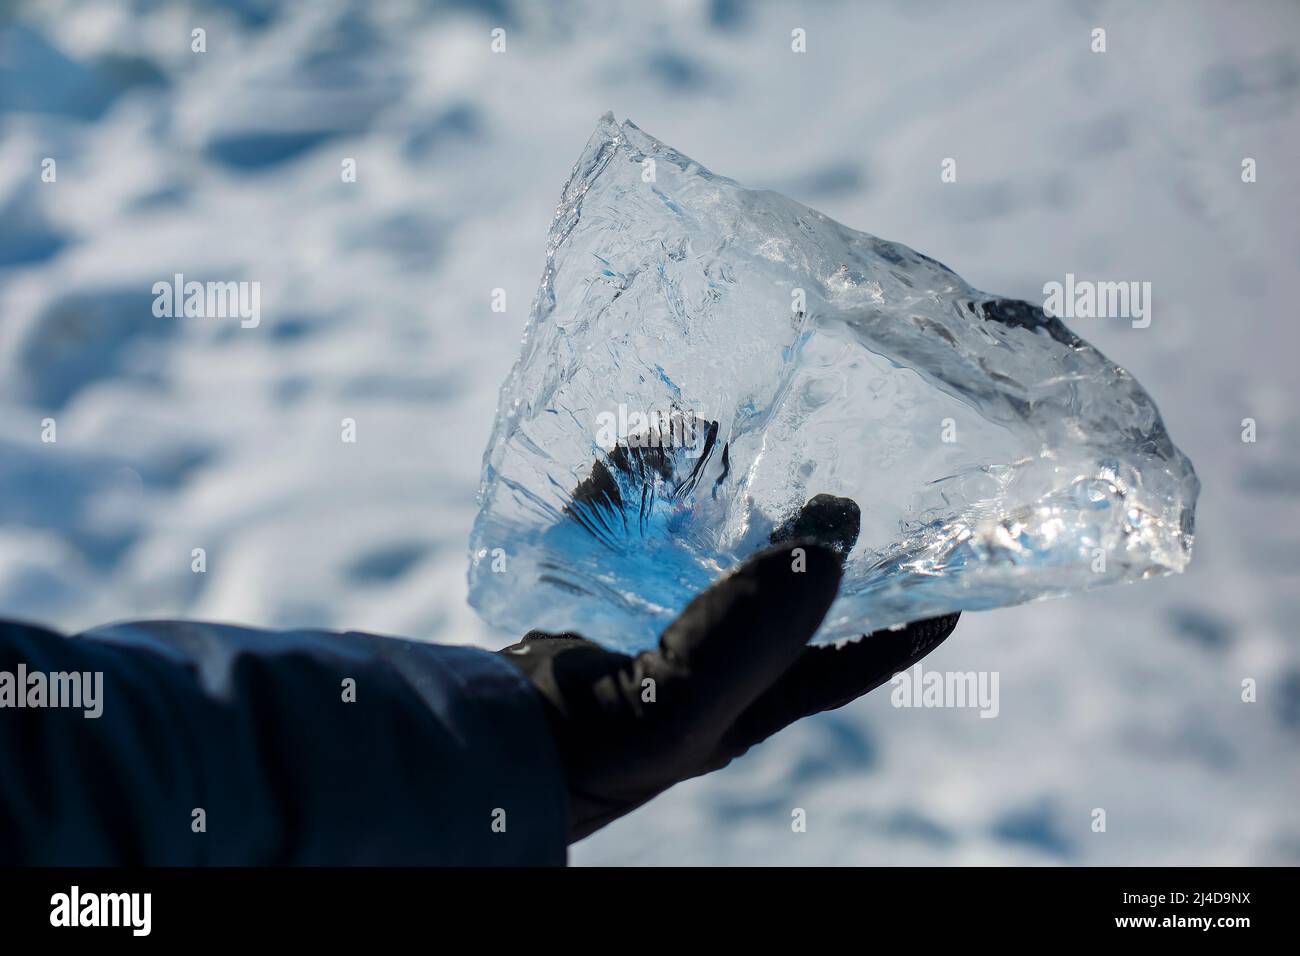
pixel 174 434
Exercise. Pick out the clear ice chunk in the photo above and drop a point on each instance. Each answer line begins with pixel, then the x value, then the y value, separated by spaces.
pixel 702 358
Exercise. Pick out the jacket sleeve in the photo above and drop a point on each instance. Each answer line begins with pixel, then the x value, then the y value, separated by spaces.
pixel 224 745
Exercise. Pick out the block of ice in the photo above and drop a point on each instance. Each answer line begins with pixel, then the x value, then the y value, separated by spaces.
pixel 701 358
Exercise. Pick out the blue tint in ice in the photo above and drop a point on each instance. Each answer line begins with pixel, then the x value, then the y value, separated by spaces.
pixel 702 358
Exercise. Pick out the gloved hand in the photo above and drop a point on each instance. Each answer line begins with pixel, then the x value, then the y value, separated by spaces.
pixel 731 671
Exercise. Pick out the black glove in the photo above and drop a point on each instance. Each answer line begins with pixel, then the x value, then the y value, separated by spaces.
pixel 731 671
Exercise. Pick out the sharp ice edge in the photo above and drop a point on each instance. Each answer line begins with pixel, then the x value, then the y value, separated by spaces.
pixel 997 457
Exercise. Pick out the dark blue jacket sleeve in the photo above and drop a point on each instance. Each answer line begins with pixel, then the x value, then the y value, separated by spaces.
pixel 224 745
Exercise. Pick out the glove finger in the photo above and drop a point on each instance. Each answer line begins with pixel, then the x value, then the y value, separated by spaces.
pixel 826 519
pixel 536 641
pixel 738 636
pixel 827 677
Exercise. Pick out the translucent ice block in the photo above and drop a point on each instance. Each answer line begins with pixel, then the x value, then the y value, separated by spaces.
pixel 702 358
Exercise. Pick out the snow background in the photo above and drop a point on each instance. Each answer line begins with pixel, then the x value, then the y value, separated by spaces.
pixel 183 433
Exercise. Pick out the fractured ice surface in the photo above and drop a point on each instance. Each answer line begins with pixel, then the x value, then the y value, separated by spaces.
pixel 703 358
